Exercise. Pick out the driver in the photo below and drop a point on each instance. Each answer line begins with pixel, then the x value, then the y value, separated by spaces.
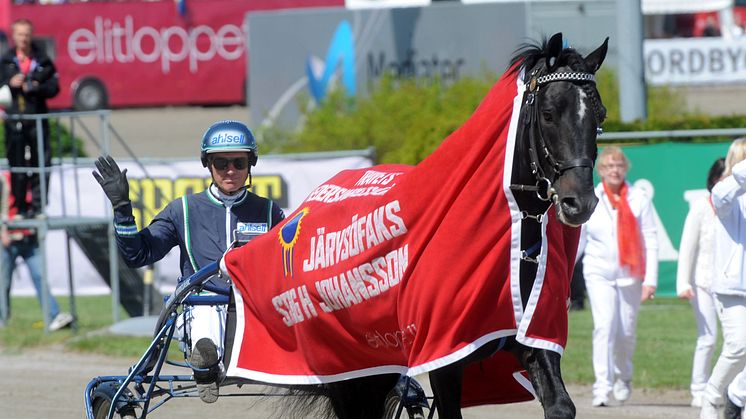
pixel 203 225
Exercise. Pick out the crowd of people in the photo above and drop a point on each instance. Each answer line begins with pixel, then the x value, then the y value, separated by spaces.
pixel 619 269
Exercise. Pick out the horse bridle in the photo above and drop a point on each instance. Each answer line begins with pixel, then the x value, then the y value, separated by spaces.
pixel 536 139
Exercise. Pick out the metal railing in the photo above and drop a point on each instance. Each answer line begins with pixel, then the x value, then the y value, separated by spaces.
pixel 77 124
pixel 672 134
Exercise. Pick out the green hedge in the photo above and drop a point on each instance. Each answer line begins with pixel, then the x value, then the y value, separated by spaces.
pixel 62 141
pixel 405 120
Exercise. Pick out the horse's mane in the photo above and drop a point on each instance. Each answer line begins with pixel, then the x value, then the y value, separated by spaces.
pixel 528 55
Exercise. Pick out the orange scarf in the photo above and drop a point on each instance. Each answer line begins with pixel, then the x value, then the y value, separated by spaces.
pixel 629 239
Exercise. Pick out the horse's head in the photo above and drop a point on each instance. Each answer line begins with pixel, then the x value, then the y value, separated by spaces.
pixel 561 117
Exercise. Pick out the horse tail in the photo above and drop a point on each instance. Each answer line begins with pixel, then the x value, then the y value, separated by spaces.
pixel 300 401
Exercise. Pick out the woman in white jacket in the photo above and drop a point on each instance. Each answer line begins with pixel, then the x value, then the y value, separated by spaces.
pixel 621 270
pixel 694 279
pixel 729 283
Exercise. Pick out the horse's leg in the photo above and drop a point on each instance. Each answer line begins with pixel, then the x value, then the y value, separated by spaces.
pixel 361 398
pixel 446 384
pixel 543 367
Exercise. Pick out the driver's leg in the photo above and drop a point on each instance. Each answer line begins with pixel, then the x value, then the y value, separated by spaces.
pixel 207 333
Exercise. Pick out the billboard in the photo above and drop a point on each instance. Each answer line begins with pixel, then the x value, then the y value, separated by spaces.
pixel 695 61
pixel 304 53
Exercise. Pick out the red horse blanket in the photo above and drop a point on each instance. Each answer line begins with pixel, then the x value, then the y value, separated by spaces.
pixel 399 269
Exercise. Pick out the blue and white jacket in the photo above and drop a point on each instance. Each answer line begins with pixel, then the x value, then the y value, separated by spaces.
pixel 200 224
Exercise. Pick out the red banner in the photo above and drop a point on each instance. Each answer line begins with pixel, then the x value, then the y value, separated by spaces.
pixel 399 269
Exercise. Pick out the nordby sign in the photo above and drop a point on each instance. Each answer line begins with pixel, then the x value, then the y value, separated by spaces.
pixel 694 61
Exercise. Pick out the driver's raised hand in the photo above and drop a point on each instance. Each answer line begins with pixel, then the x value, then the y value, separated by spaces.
pixel 113 181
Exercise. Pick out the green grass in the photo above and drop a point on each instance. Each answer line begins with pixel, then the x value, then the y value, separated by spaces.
pixel 666 335
pixel 665 339
pixel 25 329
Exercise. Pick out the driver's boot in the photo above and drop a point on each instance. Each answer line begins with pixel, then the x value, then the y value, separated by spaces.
pixel 205 357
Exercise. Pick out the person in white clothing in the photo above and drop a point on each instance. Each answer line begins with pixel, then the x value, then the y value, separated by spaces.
pixel 621 270
pixel 694 278
pixel 729 282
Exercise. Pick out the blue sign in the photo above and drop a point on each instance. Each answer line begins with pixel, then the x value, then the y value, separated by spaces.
pixel 341 48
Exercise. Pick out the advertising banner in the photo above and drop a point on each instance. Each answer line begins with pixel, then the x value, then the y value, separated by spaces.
pixel 75 193
pixel 306 53
pixel 694 61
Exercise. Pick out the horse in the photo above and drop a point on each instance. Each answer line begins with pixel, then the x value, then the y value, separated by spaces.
pixel 551 178
pixel 560 119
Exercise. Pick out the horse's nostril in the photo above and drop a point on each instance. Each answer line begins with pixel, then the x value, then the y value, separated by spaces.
pixel 570 205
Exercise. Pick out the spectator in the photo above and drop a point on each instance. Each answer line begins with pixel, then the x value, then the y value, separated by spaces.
pixel 33 79
pixel 694 279
pixel 621 270
pixel 711 28
pixel 202 225
pixel 23 243
pixel 728 285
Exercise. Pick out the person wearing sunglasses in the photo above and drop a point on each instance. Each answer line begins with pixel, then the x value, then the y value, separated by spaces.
pixel 203 225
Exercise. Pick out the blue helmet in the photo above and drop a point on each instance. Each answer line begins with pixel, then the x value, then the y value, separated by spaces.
pixel 227 136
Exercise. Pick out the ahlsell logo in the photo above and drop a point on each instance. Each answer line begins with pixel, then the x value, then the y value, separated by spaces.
pixel 341 49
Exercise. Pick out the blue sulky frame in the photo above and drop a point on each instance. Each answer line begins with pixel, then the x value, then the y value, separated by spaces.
pixel 115 396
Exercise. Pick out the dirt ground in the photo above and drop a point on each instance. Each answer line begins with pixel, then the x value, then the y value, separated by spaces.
pixel 49 383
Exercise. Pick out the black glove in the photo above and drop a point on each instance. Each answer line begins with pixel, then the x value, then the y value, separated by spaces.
pixel 113 181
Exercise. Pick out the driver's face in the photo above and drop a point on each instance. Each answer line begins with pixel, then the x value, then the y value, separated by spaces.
pixel 229 179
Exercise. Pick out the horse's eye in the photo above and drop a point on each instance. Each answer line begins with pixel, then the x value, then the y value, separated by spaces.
pixel 547 115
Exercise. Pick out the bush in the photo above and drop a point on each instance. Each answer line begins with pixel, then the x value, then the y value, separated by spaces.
pixel 61 140
pixel 405 120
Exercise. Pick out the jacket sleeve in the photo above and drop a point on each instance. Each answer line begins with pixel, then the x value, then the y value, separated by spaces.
pixel 5 73
pixel 649 231
pixel 725 194
pixel 149 245
pixel 688 250
pixel 49 83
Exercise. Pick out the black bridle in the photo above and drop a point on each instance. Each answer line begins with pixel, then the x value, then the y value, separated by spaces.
pixel 543 186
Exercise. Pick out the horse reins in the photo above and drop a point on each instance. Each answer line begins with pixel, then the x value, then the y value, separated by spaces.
pixel 536 139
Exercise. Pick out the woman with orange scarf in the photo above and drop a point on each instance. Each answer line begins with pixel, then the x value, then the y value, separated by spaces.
pixel 620 267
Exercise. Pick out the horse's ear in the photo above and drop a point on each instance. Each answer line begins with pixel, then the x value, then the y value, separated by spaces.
pixel 596 58
pixel 554 48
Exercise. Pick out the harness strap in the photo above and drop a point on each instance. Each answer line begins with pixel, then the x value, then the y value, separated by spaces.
pixel 543 186
pixel 579 162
